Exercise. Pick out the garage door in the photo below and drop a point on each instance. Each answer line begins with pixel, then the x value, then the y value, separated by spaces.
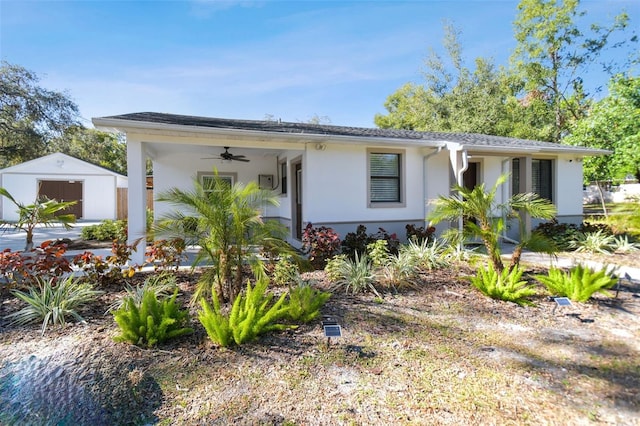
pixel 64 190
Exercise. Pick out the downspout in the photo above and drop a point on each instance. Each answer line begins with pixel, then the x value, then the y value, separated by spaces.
pixel 465 166
pixel 425 160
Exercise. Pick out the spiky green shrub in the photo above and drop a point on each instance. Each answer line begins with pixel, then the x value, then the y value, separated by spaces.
pixel 579 284
pixel 354 276
pixel 51 301
pixel 622 244
pixel 151 321
pixel 398 271
pixel 252 314
pixel 507 285
pixel 305 303
pixel 162 284
pixel 286 272
pixel 426 255
pixel 593 242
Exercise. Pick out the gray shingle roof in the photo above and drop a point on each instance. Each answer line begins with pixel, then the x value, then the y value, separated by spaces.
pixel 469 139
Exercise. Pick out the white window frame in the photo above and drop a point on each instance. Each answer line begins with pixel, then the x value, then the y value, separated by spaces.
pixel 401 177
pixel 231 177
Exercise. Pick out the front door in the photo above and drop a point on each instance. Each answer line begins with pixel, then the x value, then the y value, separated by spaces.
pixel 63 190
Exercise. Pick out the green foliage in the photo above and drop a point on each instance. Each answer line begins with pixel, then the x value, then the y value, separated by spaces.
pixel 579 284
pixel 286 272
pixel 150 321
pixel 166 254
pixel 612 124
pixel 506 285
pixel 42 212
pixel 225 221
pixel 453 98
pixel 252 314
pixel 305 303
pixel 622 244
pixel 358 242
pixel 378 253
pixel 355 276
pixel 426 255
pixel 30 115
pixel 51 301
pixel 107 230
pixel 489 216
pixel 162 285
pixel 553 53
pixel 108 150
pixel 593 242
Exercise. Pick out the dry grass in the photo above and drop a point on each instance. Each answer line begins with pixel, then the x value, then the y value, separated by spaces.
pixel 441 354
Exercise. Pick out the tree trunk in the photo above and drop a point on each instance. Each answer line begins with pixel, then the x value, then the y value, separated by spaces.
pixel 602 202
pixel 515 258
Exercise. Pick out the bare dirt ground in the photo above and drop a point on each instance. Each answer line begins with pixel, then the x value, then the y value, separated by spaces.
pixel 440 354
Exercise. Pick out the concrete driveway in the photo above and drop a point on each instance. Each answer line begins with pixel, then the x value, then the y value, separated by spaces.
pixel 15 240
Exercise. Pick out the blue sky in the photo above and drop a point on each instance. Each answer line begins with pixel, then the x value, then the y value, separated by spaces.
pixel 247 59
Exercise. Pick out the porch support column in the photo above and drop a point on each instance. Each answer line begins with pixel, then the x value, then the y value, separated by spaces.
pixel 526 186
pixel 137 198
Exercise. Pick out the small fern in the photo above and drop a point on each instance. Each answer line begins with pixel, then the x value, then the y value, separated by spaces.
pixel 579 284
pixel 507 286
pixel 150 321
pixel 305 303
pixel 252 314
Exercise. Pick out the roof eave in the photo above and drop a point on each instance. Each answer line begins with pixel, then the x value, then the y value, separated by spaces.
pixel 114 124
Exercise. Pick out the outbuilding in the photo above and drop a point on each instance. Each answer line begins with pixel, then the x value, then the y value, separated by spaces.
pixel 64 178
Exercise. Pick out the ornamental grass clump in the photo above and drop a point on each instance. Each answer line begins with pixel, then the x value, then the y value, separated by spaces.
pixel 352 276
pixel 151 321
pixel 53 300
pixel 251 315
pixel 579 284
pixel 507 285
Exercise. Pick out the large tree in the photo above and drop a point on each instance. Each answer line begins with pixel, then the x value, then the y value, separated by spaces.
pixel 453 98
pixel 613 124
pixel 553 53
pixel 30 115
pixel 100 148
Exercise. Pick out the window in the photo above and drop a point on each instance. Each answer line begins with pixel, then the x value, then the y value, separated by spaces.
pixel 541 177
pixel 283 177
pixel 208 179
pixel 385 178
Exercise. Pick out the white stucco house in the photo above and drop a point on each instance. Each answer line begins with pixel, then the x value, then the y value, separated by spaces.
pixel 340 176
pixel 64 178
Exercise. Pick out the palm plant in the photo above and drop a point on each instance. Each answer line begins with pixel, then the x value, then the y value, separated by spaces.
pixel 225 221
pixel 42 212
pixel 489 218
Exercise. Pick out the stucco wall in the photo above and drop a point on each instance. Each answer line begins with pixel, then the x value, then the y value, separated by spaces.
pixel 180 169
pixel 99 193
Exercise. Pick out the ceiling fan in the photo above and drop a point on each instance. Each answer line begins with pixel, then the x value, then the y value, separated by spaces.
pixel 226 155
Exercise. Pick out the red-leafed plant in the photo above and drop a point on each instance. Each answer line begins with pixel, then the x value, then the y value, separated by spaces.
pixel 46 261
pixel 320 244
pixel 165 254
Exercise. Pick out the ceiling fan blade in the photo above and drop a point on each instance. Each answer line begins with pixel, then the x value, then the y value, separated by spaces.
pixel 240 159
